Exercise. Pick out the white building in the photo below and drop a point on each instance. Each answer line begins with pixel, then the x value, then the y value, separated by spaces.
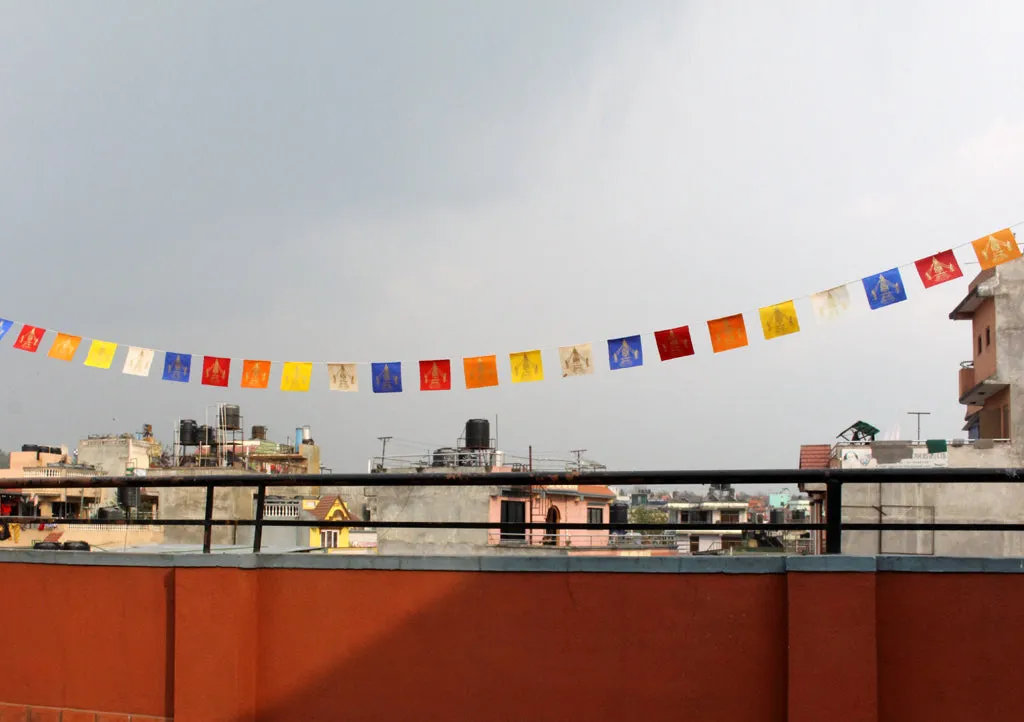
pixel 712 513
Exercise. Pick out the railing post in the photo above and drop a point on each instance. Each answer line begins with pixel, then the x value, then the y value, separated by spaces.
pixel 833 517
pixel 207 518
pixel 257 532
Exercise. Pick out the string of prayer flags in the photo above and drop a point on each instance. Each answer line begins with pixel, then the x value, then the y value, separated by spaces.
pixel 255 374
pixel 343 377
pixel 138 362
pixel 436 375
pixel 625 353
pixel 674 343
pixel 576 360
pixel 480 371
pixel 387 377
pixel 177 367
pixel 216 370
pixel 29 338
pixel 779 320
pixel 996 248
pixel 885 289
pixel 101 354
pixel 727 333
pixel 829 305
pixel 937 269
pixel 296 375
pixel 527 366
pixel 5 326
pixel 64 347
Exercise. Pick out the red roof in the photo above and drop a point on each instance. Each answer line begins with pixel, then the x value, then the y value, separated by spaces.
pixel 815 456
pixel 595 490
pixel 324 506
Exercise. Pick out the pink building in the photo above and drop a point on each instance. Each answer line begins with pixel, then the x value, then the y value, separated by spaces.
pixel 551 504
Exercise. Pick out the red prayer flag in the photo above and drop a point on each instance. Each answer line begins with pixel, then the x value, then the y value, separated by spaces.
pixel 938 269
pixel 674 342
pixel 436 375
pixel 29 338
pixel 216 370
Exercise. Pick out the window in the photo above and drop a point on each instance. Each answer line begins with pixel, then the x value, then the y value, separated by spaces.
pixel 730 517
pixel 988 336
pixel 329 539
pixel 513 520
pixel 595 515
pixel 694 544
pixel 979 344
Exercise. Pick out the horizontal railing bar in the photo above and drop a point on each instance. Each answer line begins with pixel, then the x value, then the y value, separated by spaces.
pixel 506 479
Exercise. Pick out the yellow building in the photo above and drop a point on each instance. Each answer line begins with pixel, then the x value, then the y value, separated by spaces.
pixel 328 508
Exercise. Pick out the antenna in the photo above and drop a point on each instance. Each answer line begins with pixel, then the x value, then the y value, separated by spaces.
pixel 383 447
pixel 919 414
pixel 579 460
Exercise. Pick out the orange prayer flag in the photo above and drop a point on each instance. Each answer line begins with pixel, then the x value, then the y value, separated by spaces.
pixel 480 371
pixel 727 333
pixel 255 374
pixel 996 248
pixel 64 347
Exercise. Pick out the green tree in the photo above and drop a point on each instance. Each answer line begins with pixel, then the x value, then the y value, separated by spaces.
pixel 648 515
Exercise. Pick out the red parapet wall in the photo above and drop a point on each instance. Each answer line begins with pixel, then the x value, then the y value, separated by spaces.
pixel 267 644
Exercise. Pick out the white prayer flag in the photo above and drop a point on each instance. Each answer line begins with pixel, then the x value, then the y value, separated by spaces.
pixel 138 362
pixel 343 377
pixel 830 304
pixel 576 360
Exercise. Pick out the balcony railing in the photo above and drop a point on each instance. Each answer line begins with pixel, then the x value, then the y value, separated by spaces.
pixel 832 479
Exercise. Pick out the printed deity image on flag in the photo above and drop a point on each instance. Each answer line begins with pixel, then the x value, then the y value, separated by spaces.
pixel 387 377
pixel 779 320
pixel 343 377
pixel 101 354
pixel 999 247
pixel 727 333
pixel 625 353
pixel 255 374
pixel 885 289
pixel 29 338
pixel 576 360
pixel 527 366
pixel 216 370
pixel 938 269
pixel 177 367
pixel 829 305
pixel 674 343
pixel 296 375
pixel 436 375
pixel 5 326
pixel 138 362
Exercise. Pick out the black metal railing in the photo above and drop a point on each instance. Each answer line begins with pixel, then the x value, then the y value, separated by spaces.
pixel 832 481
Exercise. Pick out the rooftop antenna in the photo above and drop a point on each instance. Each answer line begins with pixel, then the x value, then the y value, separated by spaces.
pixel 919 414
pixel 579 460
pixel 383 447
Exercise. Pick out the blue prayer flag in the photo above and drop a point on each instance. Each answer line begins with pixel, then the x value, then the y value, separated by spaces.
pixel 5 326
pixel 177 366
pixel 625 353
pixel 885 289
pixel 387 377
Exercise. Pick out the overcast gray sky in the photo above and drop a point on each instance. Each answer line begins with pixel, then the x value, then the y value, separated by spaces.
pixel 384 181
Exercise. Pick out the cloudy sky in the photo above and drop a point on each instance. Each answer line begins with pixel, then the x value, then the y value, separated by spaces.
pixel 382 181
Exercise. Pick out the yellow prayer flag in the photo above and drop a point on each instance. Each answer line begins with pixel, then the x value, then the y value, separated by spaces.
pixel 779 320
pixel 996 248
pixel 526 366
pixel 101 354
pixel 295 375
pixel 64 347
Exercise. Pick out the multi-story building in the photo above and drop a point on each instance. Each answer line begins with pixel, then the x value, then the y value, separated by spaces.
pixel 712 513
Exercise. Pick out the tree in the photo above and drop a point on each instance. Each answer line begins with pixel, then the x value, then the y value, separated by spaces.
pixel 648 515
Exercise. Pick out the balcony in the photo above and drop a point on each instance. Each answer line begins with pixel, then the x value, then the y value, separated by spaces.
pixel 974 392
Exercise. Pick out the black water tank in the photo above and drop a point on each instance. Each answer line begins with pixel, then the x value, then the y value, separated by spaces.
pixel 110 512
pixel 187 432
pixel 777 516
pixel 77 546
pixel 206 435
pixel 129 497
pixel 618 515
pixel 45 545
pixel 259 432
pixel 478 434
pixel 232 417
pixel 445 456
pixel 29 447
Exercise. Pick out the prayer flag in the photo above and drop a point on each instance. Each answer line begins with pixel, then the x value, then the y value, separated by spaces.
pixel 779 320
pixel 138 362
pixel 436 375
pixel 526 366
pixel 938 269
pixel 830 304
pixel 576 360
pixel 727 333
pixel 996 248
pixel 216 370
pixel 625 353
pixel 5 326
pixel 343 377
pixel 387 377
pixel 480 371
pixel 29 338
pixel 295 375
pixel 64 347
pixel 177 367
pixel 255 374
pixel 674 343
pixel 101 354
pixel 885 289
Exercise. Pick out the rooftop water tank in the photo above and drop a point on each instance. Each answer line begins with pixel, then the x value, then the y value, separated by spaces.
pixel 478 434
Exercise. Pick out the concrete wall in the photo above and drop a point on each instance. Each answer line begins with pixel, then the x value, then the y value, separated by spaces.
pixel 112 456
pixel 841 639
pixel 434 503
